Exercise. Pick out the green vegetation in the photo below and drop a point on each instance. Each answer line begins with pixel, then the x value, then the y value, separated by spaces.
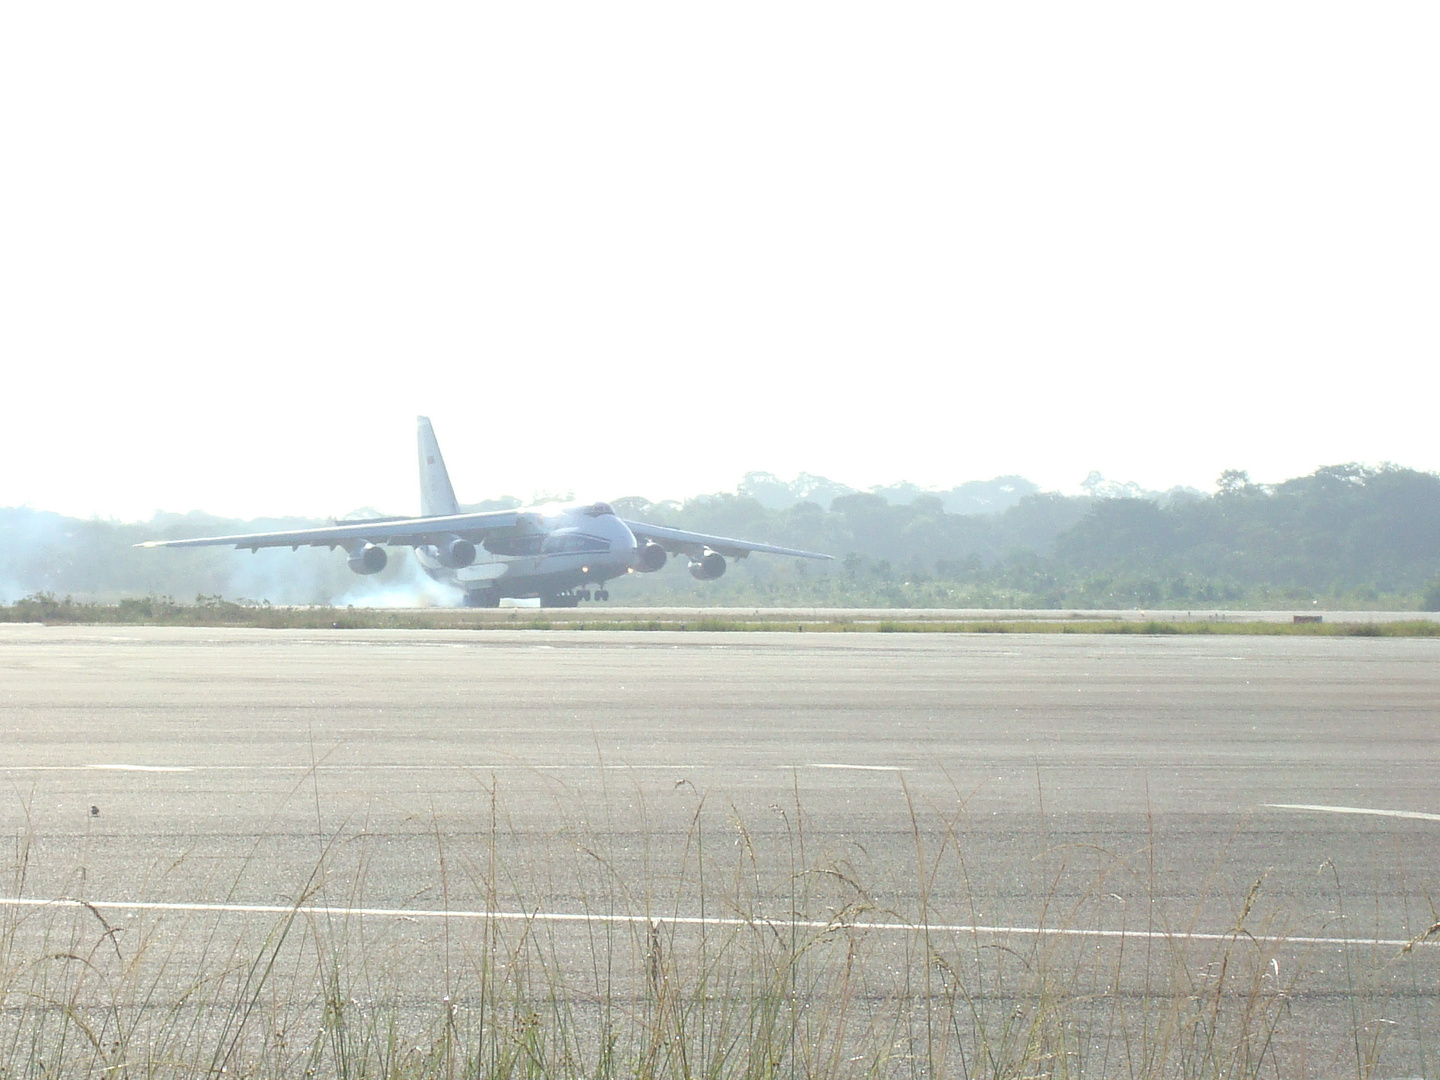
pixel 1347 537
pixel 1431 600
pixel 165 611
pixel 750 953
pixel 215 611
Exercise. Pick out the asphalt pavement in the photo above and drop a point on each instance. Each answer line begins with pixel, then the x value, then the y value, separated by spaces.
pixel 1156 785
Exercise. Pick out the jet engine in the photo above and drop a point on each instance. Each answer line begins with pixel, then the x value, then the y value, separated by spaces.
pixel 708 567
pixel 370 559
pixel 456 552
pixel 650 557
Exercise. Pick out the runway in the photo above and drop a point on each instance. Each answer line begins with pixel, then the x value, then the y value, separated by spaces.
pixel 1161 786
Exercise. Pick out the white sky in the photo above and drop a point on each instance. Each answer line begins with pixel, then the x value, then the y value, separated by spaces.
pixel 644 248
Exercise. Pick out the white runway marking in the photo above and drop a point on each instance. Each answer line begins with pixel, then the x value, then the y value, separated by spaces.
pixel 1415 814
pixel 862 768
pixel 487 766
pixel 690 920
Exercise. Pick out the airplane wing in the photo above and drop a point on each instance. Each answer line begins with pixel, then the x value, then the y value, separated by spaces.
pixel 694 544
pixel 396 532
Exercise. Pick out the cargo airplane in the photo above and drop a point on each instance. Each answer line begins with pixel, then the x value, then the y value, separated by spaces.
pixel 560 555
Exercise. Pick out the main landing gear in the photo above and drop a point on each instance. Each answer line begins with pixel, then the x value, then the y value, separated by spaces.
pixel 489 598
pixel 572 597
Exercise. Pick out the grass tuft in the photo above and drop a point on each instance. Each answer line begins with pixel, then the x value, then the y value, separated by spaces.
pixel 215 611
pixel 750 954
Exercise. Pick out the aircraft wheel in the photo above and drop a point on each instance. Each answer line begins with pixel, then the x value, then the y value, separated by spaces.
pixel 602 594
pixel 560 600
pixel 482 598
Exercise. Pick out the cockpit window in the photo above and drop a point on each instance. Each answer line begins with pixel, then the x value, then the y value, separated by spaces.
pixel 569 543
pixel 599 509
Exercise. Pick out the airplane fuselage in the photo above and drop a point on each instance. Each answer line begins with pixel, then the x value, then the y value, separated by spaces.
pixel 566 550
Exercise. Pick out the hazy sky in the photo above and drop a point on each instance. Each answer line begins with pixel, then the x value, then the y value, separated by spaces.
pixel 645 248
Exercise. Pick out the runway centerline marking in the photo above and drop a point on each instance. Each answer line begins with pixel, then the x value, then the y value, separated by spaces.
pixel 862 768
pixel 1413 814
pixel 142 768
pixel 692 920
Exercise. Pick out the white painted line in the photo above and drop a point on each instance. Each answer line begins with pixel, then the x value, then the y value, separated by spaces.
pixel 862 768
pixel 691 920
pixel 360 767
pixel 1414 814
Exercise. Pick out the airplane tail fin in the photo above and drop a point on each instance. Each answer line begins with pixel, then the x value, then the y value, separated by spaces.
pixel 437 497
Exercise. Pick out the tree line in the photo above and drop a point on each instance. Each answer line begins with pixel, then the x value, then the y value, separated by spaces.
pixel 1344 536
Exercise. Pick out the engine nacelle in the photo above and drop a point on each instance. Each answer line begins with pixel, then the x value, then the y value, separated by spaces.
pixel 456 553
pixel 650 557
pixel 708 567
pixel 370 559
